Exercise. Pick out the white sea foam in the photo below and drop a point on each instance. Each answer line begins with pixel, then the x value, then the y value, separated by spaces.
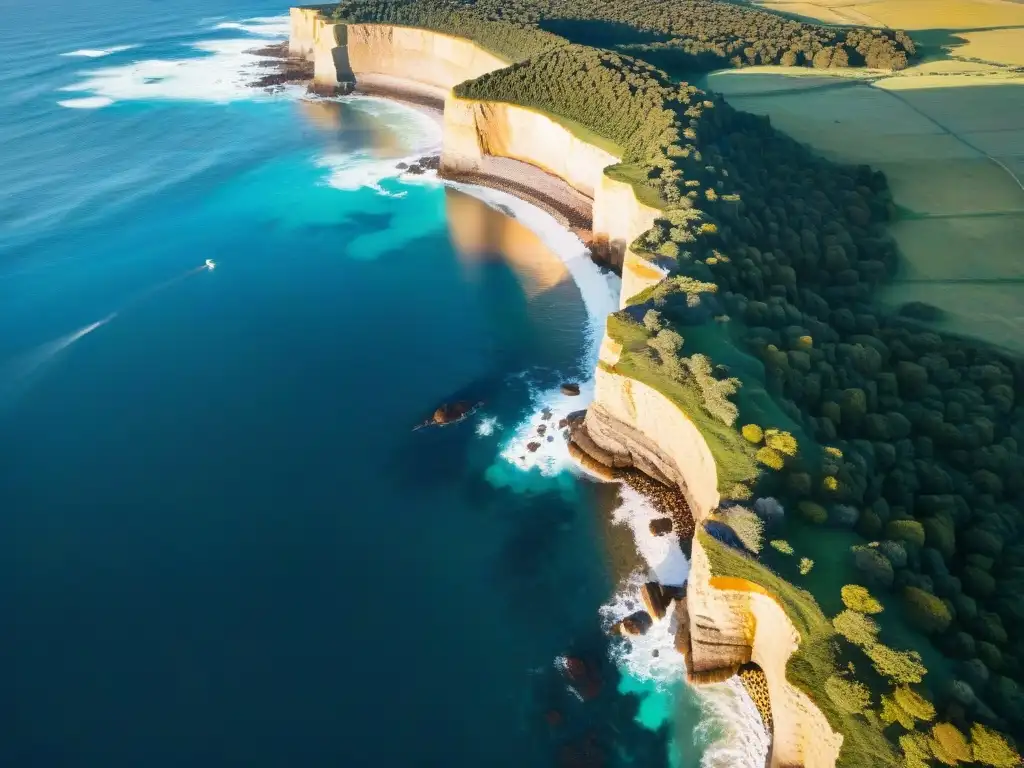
pixel 87 102
pixel 599 291
pixel 224 72
pixel 96 53
pixel 667 563
pixel 420 133
pixel 651 656
pixel 731 729
pixel 487 426
pixel 263 26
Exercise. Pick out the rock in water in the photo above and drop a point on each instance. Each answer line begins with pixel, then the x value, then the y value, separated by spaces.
pixel 571 389
pixel 654 599
pixel 661 526
pixel 635 624
pixel 450 412
pixel 532 447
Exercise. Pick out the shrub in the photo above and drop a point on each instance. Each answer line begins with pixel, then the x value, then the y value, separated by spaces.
pixel 892 712
pixel 747 526
pixel 909 531
pixel 990 748
pixel 783 442
pixel 849 696
pixel 916 750
pixel 806 564
pixel 949 745
pixel 927 612
pixel 770 458
pixel 714 392
pixel 857 598
pixel 978 583
pixel 780 545
pixel 653 320
pixel 739 492
pixel 753 433
pixel 899 666
pixel 812 512
pixel 914 703
pixel 856 627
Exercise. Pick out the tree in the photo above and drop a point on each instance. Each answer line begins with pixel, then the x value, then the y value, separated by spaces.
pixel 990 748
pixel 909 531
pixel 875 566
pixel 927 612
pixel 858 598
pixel 653 320
pixel 770 458
pixel 949 745
pixel 899 666
pixel 856 627
pixel 914 703
pixel 892 712
pixel 849 696
pixel 916 749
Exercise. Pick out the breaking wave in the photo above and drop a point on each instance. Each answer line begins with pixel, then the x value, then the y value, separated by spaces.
pixel 96 53
pixel 224 72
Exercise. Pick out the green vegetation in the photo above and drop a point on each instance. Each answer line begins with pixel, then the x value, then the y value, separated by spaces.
pixel 850 416
pixel 676 35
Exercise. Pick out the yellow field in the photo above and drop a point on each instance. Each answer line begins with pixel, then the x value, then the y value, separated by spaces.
pixel 999 45
pixel 943 14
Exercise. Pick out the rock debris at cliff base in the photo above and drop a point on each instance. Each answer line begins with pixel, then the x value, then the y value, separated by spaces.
pixel 286 67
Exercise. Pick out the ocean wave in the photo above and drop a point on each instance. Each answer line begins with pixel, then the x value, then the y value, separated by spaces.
pixel 224 72
pixel 420 132
pixel 96 53
pixel 731 729
pixel 262 26
pixel 86 102
pixel 649 657
pixel 664 557
pixel 599 291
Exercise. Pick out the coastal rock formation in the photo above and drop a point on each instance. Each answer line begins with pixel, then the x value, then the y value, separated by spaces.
pixel 732 622
pixel 721 624
pixel 631 424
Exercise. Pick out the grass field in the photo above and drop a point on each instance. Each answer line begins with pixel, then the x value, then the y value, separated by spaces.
pixel 949 134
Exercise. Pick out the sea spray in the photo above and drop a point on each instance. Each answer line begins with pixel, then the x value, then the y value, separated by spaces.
pixel 222 71
pixel 732 728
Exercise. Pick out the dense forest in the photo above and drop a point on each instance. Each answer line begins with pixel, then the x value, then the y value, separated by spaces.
pixel 676 35
pixel 911 437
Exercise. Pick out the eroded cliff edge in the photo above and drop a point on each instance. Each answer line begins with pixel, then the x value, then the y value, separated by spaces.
pixel 629 423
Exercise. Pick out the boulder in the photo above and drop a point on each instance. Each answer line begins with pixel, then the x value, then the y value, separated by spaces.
pixel 545 414
pixel 542 429
pixel 450 412
pixel 635 624
pixel 654 599
pixel 563 423
pixel 660 526
pixel 532 447
pixel 571 389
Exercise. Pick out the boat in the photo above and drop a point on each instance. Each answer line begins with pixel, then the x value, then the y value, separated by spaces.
pixel 210 264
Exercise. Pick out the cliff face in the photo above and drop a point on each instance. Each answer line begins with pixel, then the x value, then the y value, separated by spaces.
pixel 629 423
pixel 477 130
pixel 640 427
pixel 427 58
pixel 733 621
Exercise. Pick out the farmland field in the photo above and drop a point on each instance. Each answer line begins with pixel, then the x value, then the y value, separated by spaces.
pixel 949 134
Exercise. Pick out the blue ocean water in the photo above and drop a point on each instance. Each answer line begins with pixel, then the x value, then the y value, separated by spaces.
pixel 221 541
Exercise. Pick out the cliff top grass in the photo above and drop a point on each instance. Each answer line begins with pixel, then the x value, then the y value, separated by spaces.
pixel 734 456
pixel 814 661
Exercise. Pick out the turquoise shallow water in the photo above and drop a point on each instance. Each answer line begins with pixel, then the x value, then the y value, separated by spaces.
pixel 221 543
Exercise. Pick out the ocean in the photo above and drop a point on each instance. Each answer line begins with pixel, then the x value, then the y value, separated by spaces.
pixel 221 540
